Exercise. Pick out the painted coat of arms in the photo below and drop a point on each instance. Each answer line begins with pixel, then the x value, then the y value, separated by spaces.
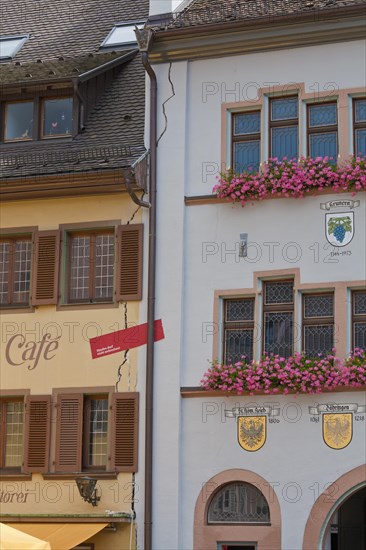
pixel 339 228
pixel 252 432
pixel 337 430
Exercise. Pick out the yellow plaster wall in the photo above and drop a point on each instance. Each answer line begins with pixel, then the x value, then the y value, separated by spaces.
pixel 72 365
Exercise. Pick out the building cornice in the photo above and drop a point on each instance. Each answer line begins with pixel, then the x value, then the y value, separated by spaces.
pixel 66 185
pixel 262 34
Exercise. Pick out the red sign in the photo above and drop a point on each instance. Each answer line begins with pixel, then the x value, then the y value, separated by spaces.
pixel 121 340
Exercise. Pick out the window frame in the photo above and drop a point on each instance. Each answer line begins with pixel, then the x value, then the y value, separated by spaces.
pixel 26 234
pixel 87 398
pixel 285 307
pixel 355 318
pixel 316 321
pixel 244 137
pixel 225 487
pixel 41 116
pixel 75 416
pixel 282 123
pixel 23 37
pixel 121 45
pixel 238 325
pixel 357 125
pixel 3 402
pixel 92 232
pixel 37 98
pixel 330 128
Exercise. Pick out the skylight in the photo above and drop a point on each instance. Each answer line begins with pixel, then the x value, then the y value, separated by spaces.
pixel 122 34
pixel 10 45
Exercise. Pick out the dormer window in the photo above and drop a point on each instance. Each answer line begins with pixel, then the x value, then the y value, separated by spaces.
pixel 10 45
pixel 122 34
pixel 44 117
pixel 57 117
pixel 18 121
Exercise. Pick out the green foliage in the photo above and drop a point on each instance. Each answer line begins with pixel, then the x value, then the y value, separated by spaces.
pixel 335 222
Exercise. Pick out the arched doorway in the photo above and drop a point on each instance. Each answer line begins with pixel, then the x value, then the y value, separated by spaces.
pixel 347 528
pixel 332 515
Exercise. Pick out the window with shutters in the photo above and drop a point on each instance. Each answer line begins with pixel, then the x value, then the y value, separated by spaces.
pixel 96 432
pixel 12 434
pixel 15 270
pixel 318 324
pixel 25 434
pixel 90 266
pixel 102 264
pixel 359 319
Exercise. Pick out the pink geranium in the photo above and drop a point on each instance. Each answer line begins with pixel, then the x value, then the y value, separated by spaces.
pixel 275 374
pixel 292 178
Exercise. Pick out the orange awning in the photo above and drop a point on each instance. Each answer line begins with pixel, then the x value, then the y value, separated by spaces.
pixel 13 539
pixel 61 536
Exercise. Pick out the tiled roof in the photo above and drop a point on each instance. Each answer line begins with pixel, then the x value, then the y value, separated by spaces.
pixel 205 12
pixel 54 69
pixel 113 136
pixel 59 28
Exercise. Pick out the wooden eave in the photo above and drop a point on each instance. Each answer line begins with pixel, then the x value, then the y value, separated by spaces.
pixel 72 184
pixel 65 518
pixel 260 34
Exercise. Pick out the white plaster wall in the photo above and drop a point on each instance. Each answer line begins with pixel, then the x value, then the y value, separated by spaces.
pixel 187 452
pixel 294 460
pixel 280 231
pixel 238 78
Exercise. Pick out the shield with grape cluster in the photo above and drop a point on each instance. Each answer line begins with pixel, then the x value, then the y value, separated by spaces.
pixel 339 228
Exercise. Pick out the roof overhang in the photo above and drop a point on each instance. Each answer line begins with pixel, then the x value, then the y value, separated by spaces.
pixel 258 34
pixel 95 182
pixel 97 65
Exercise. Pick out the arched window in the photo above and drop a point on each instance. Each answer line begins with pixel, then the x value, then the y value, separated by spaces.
pixel 238 503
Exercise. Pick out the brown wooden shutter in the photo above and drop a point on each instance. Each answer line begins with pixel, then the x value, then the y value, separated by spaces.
pixel 45 267
pixel 129 262
pixel 37 433
pixel 124 428
pixel 69 428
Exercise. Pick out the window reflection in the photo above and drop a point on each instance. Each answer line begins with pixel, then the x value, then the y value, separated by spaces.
pixel 57 117
pixel 19 121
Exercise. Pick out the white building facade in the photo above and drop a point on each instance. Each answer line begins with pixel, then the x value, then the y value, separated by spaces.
pixel 264 278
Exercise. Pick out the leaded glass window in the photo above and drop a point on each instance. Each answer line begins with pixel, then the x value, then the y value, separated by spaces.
pixel 238 503
pixel 323 130
pixel 96 431
pixel 11 433
pixel 318 324
pixel 15 271
pixel 91 267
pixel 278 308
pixel 284 128
pixel 238 329
pixel 246 141
pixel 359 318
pixel 359 123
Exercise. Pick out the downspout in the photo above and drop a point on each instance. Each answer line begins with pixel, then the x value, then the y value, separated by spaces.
pixel 144 38
pixel 150 307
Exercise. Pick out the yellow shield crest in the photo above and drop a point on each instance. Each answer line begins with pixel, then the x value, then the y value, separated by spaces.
pixel 252 432
pixel 337 430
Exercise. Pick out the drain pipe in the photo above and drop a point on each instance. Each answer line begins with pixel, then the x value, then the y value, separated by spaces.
pixel 144 37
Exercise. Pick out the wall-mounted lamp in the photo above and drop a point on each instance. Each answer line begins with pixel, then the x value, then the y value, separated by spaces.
pixel 243 249
pixel 87 490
